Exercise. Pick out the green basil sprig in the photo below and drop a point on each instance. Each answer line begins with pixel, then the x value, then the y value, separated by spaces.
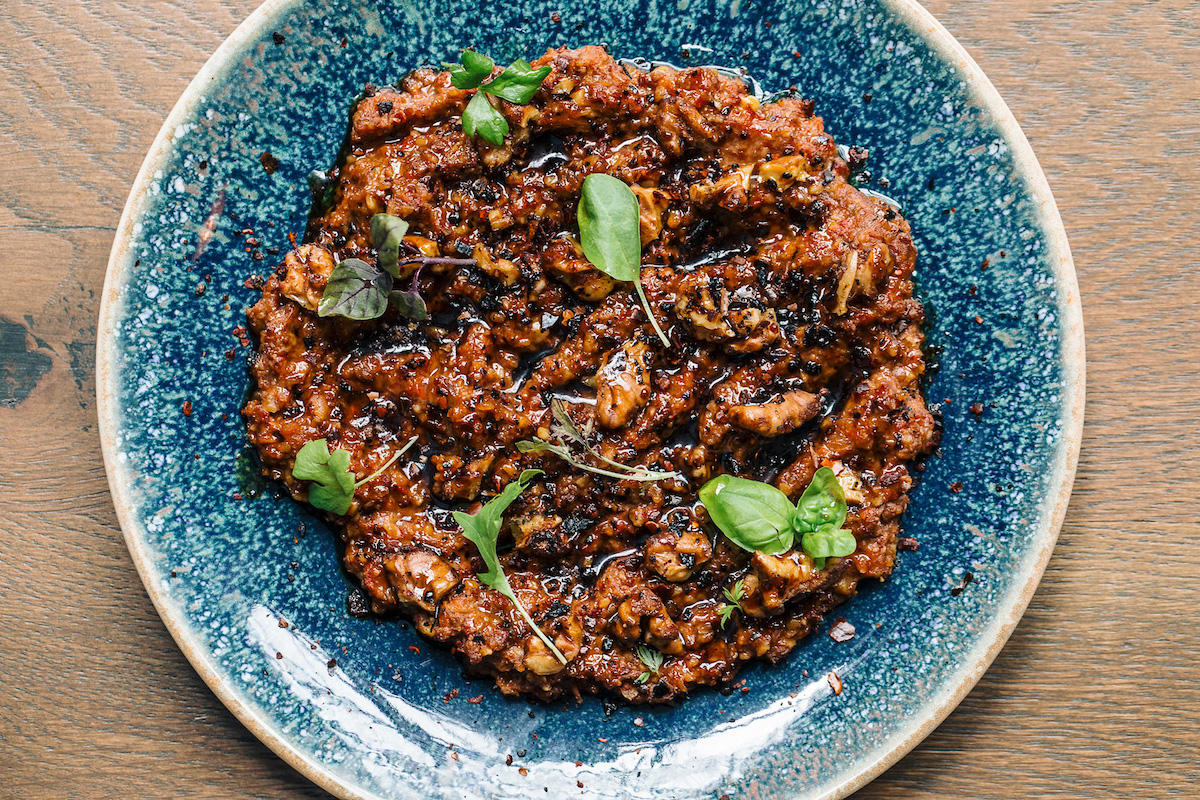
pixel 333 483
pixel 757 516
pixel 518 83
pixel 610 232
pixel 483 530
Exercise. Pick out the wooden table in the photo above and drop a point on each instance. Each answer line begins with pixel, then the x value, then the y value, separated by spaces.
pixel 1097 695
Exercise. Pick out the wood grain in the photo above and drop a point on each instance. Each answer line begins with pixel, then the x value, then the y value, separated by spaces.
pixel 1095 696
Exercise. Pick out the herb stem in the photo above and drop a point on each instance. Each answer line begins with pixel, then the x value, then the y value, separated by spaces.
pixel 637 284
pixel 462 262
pixel 528 619
pixel 387 463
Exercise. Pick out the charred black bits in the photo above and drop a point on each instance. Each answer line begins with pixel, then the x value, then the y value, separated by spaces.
pixel 357 604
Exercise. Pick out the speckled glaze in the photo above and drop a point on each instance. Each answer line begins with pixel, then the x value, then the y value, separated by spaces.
pixel 365 708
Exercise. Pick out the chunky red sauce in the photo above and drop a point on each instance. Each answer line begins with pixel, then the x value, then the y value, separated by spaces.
pixel 796 343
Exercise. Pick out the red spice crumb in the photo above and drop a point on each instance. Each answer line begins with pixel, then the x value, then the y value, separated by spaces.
pixel 237 495
pixel 292 238
pixel 745 690
pixel 556 17
pixel 414 649
pixel 187 408
pixel 835 682
pixel 477 699
pixel 725 797
pixel 579 784
pixel 454 756
pixel 797 54
pixel 278 655
pixel 907 543
pixel 579 763
pixel 804 673
pixel 602 740
pixel 956 487
pixel 841 630
pixel 962 584
pixel 523 772
pixel 977 408
pixel 283 623
pixel 331 663
pixel 974 290
pixel 984 265
pixel 450 695
pixel 508 761
pixel 979 320
pixel 638 722
pixel 173 575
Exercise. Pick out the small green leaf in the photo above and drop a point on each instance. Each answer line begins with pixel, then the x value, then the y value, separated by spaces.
pixel 355 290
pixel 474 70
pixel 610 228
pixel 482 119
pixel 410 303
pixel 333 483
pixel 827 542
pixel 483 530
pixel 752 514
pixel 823 503
pixel 332 486
pixel 610 233
pixel 518 83
pixel 651 659
pixel 387 234
pixel 734 595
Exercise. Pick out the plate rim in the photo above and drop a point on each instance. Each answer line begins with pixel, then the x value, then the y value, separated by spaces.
pixel 1011 607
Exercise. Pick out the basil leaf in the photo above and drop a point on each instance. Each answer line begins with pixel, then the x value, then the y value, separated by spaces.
pixel 609 227
pixel 475 68
pixel 355 290
pixel 481 118
pixel 387 233
pixel 610 232
pixel 518 83
pixel 752 514
pixel 483 530
pixel 828 541
pixel 823 503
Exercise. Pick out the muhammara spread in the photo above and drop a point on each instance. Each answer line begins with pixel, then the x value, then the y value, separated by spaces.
pixel 795 344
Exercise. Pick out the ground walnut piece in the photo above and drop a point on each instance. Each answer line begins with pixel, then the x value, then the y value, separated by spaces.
pixel 787 295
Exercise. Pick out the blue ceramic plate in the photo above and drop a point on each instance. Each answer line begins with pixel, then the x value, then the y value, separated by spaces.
pixel 369 710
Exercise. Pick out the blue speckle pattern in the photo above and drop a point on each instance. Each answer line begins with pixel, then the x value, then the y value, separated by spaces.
pixel 252 581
